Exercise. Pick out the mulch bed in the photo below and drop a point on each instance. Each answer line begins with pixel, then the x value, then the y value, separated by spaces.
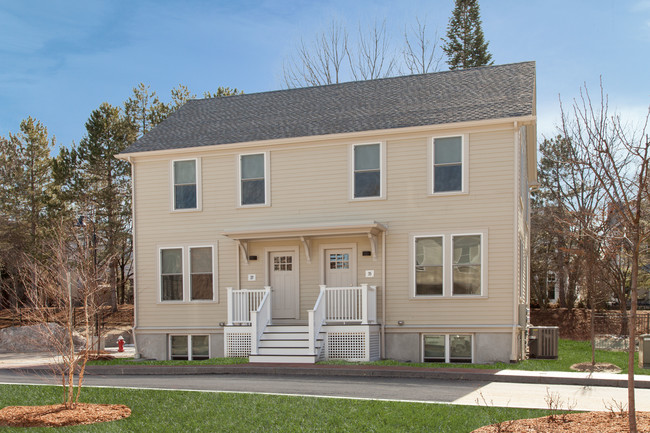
pixel 57 415
pixel 599 367
pixel 588 422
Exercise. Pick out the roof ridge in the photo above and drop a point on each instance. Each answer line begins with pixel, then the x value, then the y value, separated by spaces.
pixel 345 83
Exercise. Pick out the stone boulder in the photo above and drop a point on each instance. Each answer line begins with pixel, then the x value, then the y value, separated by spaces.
pixel 43 337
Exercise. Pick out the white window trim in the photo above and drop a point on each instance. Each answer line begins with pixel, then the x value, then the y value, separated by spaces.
pixel 267 181
pixel 444 264
pixel 447 286
pixel 189 344
pixel 447 345
pixel 172 195
pixel 464 162
pixel 185 264
pixel 382 172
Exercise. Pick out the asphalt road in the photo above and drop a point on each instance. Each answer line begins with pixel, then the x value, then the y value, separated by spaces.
pixel 428 391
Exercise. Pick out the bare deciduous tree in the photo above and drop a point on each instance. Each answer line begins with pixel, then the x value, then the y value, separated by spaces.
pixel 66 277
pixel 320 62
pixel 420 52
pixel 619 159
pixel 372 57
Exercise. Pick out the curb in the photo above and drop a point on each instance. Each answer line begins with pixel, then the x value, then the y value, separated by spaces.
pixel 559 378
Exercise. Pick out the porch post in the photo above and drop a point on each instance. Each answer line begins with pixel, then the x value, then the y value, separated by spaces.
pixel 364 304
pixel 230 305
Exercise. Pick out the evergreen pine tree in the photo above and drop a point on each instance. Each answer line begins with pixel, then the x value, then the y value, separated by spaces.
pixel 465 44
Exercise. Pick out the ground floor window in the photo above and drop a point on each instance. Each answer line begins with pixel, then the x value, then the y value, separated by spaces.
pixel 447 348
pixel 189 347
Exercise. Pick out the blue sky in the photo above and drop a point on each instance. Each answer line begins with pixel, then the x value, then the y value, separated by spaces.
pixel 60 60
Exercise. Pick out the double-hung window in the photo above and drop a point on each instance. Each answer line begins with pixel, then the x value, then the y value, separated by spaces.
pixel 449 265
pixel 185 182
pixel 187 273
pixel 448 170
pixel 367 176
pixel 253 184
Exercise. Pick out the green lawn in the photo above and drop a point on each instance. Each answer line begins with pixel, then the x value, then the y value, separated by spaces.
pixel 183 411
pixel 570 352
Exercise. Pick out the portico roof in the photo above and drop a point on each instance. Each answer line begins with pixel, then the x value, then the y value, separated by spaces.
pixel 305 232
pixel 301 230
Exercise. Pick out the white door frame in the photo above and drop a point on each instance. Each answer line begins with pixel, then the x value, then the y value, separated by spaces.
pixel 353 260
pixel 267 272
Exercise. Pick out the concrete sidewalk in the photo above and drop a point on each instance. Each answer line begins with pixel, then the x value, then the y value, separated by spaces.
pixel 38 362
pixel 41 359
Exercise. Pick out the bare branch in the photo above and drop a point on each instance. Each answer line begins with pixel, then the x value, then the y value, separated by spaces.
pixel 373 57
pixel 420 54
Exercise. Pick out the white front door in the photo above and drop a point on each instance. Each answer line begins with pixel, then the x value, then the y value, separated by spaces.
pixel 283 279
pixel 339 267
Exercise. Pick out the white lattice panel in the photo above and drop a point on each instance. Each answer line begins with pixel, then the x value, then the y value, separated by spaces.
pixel 238 345
pixel 374 347
pixel 346 345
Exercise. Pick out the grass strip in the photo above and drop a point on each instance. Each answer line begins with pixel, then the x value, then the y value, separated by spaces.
pixel 186 411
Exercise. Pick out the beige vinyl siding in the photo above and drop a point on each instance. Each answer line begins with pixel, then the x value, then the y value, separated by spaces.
pixel 309 185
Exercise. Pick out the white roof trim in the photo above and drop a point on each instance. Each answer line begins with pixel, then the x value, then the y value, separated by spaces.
pixel 297 231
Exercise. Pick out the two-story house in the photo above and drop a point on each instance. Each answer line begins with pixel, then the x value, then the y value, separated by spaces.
pixel 384 218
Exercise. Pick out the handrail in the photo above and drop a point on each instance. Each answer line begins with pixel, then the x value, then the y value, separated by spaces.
pixel 317 319
pixel 241 303
pixel 260 318
pixel 352 304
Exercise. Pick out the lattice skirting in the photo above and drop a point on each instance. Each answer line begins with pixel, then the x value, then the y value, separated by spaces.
pixel 346 345
pixel 238 345
pixel 375 352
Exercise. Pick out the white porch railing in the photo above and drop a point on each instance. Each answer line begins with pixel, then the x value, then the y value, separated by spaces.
pixel 242 302
pixel 260 318
pixel 317 319
pixel 351 304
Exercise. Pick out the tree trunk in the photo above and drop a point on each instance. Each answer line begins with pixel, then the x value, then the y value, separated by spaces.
pixel 632 343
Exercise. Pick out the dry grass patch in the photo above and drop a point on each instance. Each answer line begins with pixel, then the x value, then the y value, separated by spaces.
pixel 586 422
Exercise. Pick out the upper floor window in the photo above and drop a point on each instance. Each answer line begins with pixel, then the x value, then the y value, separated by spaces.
pixel 253 186
pixel 185 178
pixel 367 170
pixel 448 167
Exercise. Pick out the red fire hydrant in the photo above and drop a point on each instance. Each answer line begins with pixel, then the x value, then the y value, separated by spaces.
pixel 120 344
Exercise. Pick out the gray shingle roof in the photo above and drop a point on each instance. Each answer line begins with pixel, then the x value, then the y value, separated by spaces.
pixel 490 92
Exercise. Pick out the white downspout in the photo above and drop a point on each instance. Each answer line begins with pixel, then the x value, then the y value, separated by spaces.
pixel 383 295
pixel 515 273
pixel 135 279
